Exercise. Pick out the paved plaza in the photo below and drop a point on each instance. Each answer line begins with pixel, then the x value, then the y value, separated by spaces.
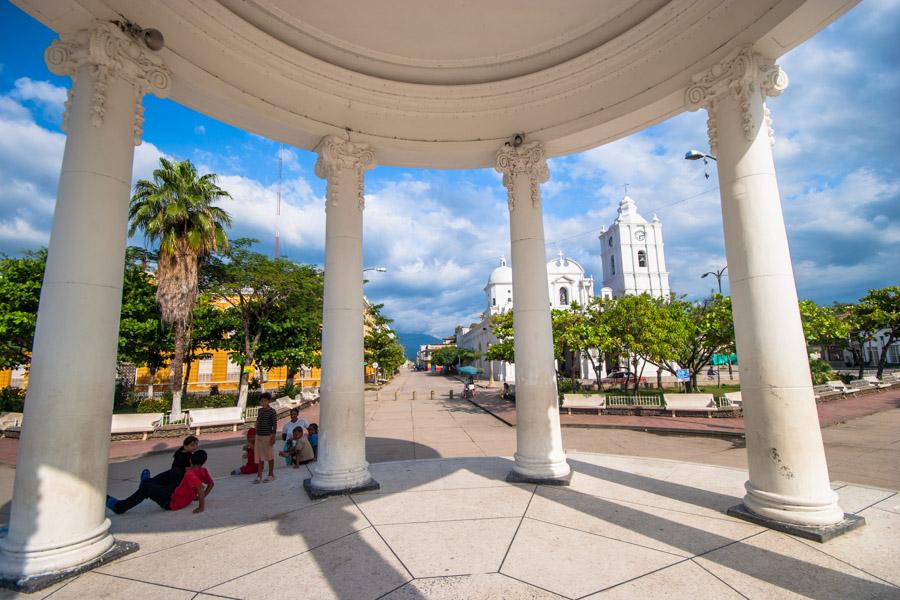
pixel 446 524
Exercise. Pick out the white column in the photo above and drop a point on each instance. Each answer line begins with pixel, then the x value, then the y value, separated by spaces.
pixel 539 451
pixel 342 465
pixel 58 516
pixel 788 476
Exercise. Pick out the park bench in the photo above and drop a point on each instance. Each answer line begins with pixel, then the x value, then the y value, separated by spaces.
pixel 309 394
pixel 860 384
pixel 690 403
pixel 734 399
pixel 282 403
pixel 143 423
pixel 837 384
pixel 215 417
pixel 826 391
pixel 10 419
pixel 876 382
pixel 583 402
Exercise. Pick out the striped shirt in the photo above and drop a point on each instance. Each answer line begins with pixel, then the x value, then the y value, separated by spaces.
pixel 266 422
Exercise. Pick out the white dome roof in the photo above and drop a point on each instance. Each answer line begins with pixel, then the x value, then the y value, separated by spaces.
pixel 501 274
pixel 563 265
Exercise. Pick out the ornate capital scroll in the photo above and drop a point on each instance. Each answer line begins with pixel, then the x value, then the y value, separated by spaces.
pixel 526 159
pixel 742 74
pixel 109 52
pixel 337 154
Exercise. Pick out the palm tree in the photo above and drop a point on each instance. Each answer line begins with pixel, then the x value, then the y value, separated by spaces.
pixel 176 211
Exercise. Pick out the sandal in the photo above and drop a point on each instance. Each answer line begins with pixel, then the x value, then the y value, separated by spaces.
pixel 257 480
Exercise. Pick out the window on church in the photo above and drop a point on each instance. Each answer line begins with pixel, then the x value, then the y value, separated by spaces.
pixel 494 301
pixel 642 258
pixel 612 265
pixel 564 296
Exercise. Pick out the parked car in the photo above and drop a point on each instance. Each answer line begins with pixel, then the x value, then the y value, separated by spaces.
pixel 621 378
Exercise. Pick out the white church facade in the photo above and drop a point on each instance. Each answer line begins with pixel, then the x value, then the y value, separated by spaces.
pixel 567 283
pixel 634 260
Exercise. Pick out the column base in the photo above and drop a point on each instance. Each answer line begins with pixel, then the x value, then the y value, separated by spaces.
pixel 316 493
pixel 33 583
pixel 820 533
pixel 516 477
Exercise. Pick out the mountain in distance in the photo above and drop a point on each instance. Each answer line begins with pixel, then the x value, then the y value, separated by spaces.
pixel 412 341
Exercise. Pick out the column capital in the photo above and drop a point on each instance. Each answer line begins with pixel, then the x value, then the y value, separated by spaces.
pixel 741 74
pixel 109 52
pixel 527 159
pixel 337 154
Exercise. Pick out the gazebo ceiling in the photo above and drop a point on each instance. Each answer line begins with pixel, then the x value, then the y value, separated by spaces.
pixel 433 83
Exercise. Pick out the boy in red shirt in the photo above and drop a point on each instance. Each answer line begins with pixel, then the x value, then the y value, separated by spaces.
pixel 169 498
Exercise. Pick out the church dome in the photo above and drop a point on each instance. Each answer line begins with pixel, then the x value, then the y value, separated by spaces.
pixel 501 275
pixel 563 265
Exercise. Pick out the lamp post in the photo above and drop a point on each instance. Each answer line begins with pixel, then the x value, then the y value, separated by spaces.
pixel 376 269
pixel 697 155
pixel 718 274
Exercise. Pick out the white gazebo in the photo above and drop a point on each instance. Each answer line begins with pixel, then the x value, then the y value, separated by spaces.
pixel 412 83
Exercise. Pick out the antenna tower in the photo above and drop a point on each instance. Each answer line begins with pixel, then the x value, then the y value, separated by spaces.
pixel 278 199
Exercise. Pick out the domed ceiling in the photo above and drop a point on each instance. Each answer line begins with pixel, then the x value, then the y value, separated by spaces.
pixel 434 83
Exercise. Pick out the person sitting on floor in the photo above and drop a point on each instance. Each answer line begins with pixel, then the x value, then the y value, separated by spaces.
pixel 300 451
pixel 249 466
pixel 313 430
pixel 196 484
pixel 287 431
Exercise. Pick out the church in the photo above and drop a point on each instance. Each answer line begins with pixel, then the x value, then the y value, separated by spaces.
pixel 632 254
pixel 566 283
pixel 633 260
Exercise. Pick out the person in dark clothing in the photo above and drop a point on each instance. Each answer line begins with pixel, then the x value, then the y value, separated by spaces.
pixel 168 496
pixel 181 460
pixel 266 427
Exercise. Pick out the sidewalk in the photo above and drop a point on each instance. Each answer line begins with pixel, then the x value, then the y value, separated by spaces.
pixel 830 413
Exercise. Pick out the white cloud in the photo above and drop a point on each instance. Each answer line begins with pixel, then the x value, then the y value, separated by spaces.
pixel 51 98
pixel 200 130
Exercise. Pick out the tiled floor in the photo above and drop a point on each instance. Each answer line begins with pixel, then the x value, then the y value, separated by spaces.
pixel 453 528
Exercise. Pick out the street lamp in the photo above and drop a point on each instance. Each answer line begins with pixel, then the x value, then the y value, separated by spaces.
pixel 377 269
pixel 697 155
pixel 718 274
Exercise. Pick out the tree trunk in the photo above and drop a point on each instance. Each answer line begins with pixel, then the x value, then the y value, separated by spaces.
pixel 187 374
pixel 861 363
pixel 882 358
pixel 289 381
pixel 730 372
pixel 244 388
pixel 177 369
pixel 150 384
pixel 659 379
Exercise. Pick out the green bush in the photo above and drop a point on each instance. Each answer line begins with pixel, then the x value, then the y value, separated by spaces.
pixel 820 371
pixel 12 399
pixel 154 405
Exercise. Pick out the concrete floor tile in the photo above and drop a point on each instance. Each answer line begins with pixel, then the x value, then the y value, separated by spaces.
pixel 101 587
pixel 451 547
pixel 774 565
pixel 573 563
pixel 854 498
pixel 875 550
pixel 682 581
pixel 492 586
pixel 445 505
pixel 357 566
pixel 683 534
pixel 442 436
pixel 452 449
pixel 891 504
pixel 244 549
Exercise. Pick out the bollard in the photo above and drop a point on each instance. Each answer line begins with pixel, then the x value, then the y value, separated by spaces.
pixel 396 395
pixel 414 394
pixel 451 394
pixel 432 394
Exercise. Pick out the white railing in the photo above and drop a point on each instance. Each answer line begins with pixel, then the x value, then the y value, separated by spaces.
pixel 634 401
pixel 251 412
pixel 170 419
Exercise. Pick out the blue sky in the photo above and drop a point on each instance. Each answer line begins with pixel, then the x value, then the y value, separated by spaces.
pixel 440 233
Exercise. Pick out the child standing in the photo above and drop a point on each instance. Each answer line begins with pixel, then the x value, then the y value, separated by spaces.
pixel 266 427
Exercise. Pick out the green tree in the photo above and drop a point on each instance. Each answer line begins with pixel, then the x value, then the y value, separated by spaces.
pixel 823 326
pixel 176 211
pixel 20 292
pixel 879 310
pixel 257 290
pixel 504 349
pixel 636 327
pixel 211 327
pixel 452 356
pixel 143 341
pixel 687 334
pixel 381 344
pixel 583 331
